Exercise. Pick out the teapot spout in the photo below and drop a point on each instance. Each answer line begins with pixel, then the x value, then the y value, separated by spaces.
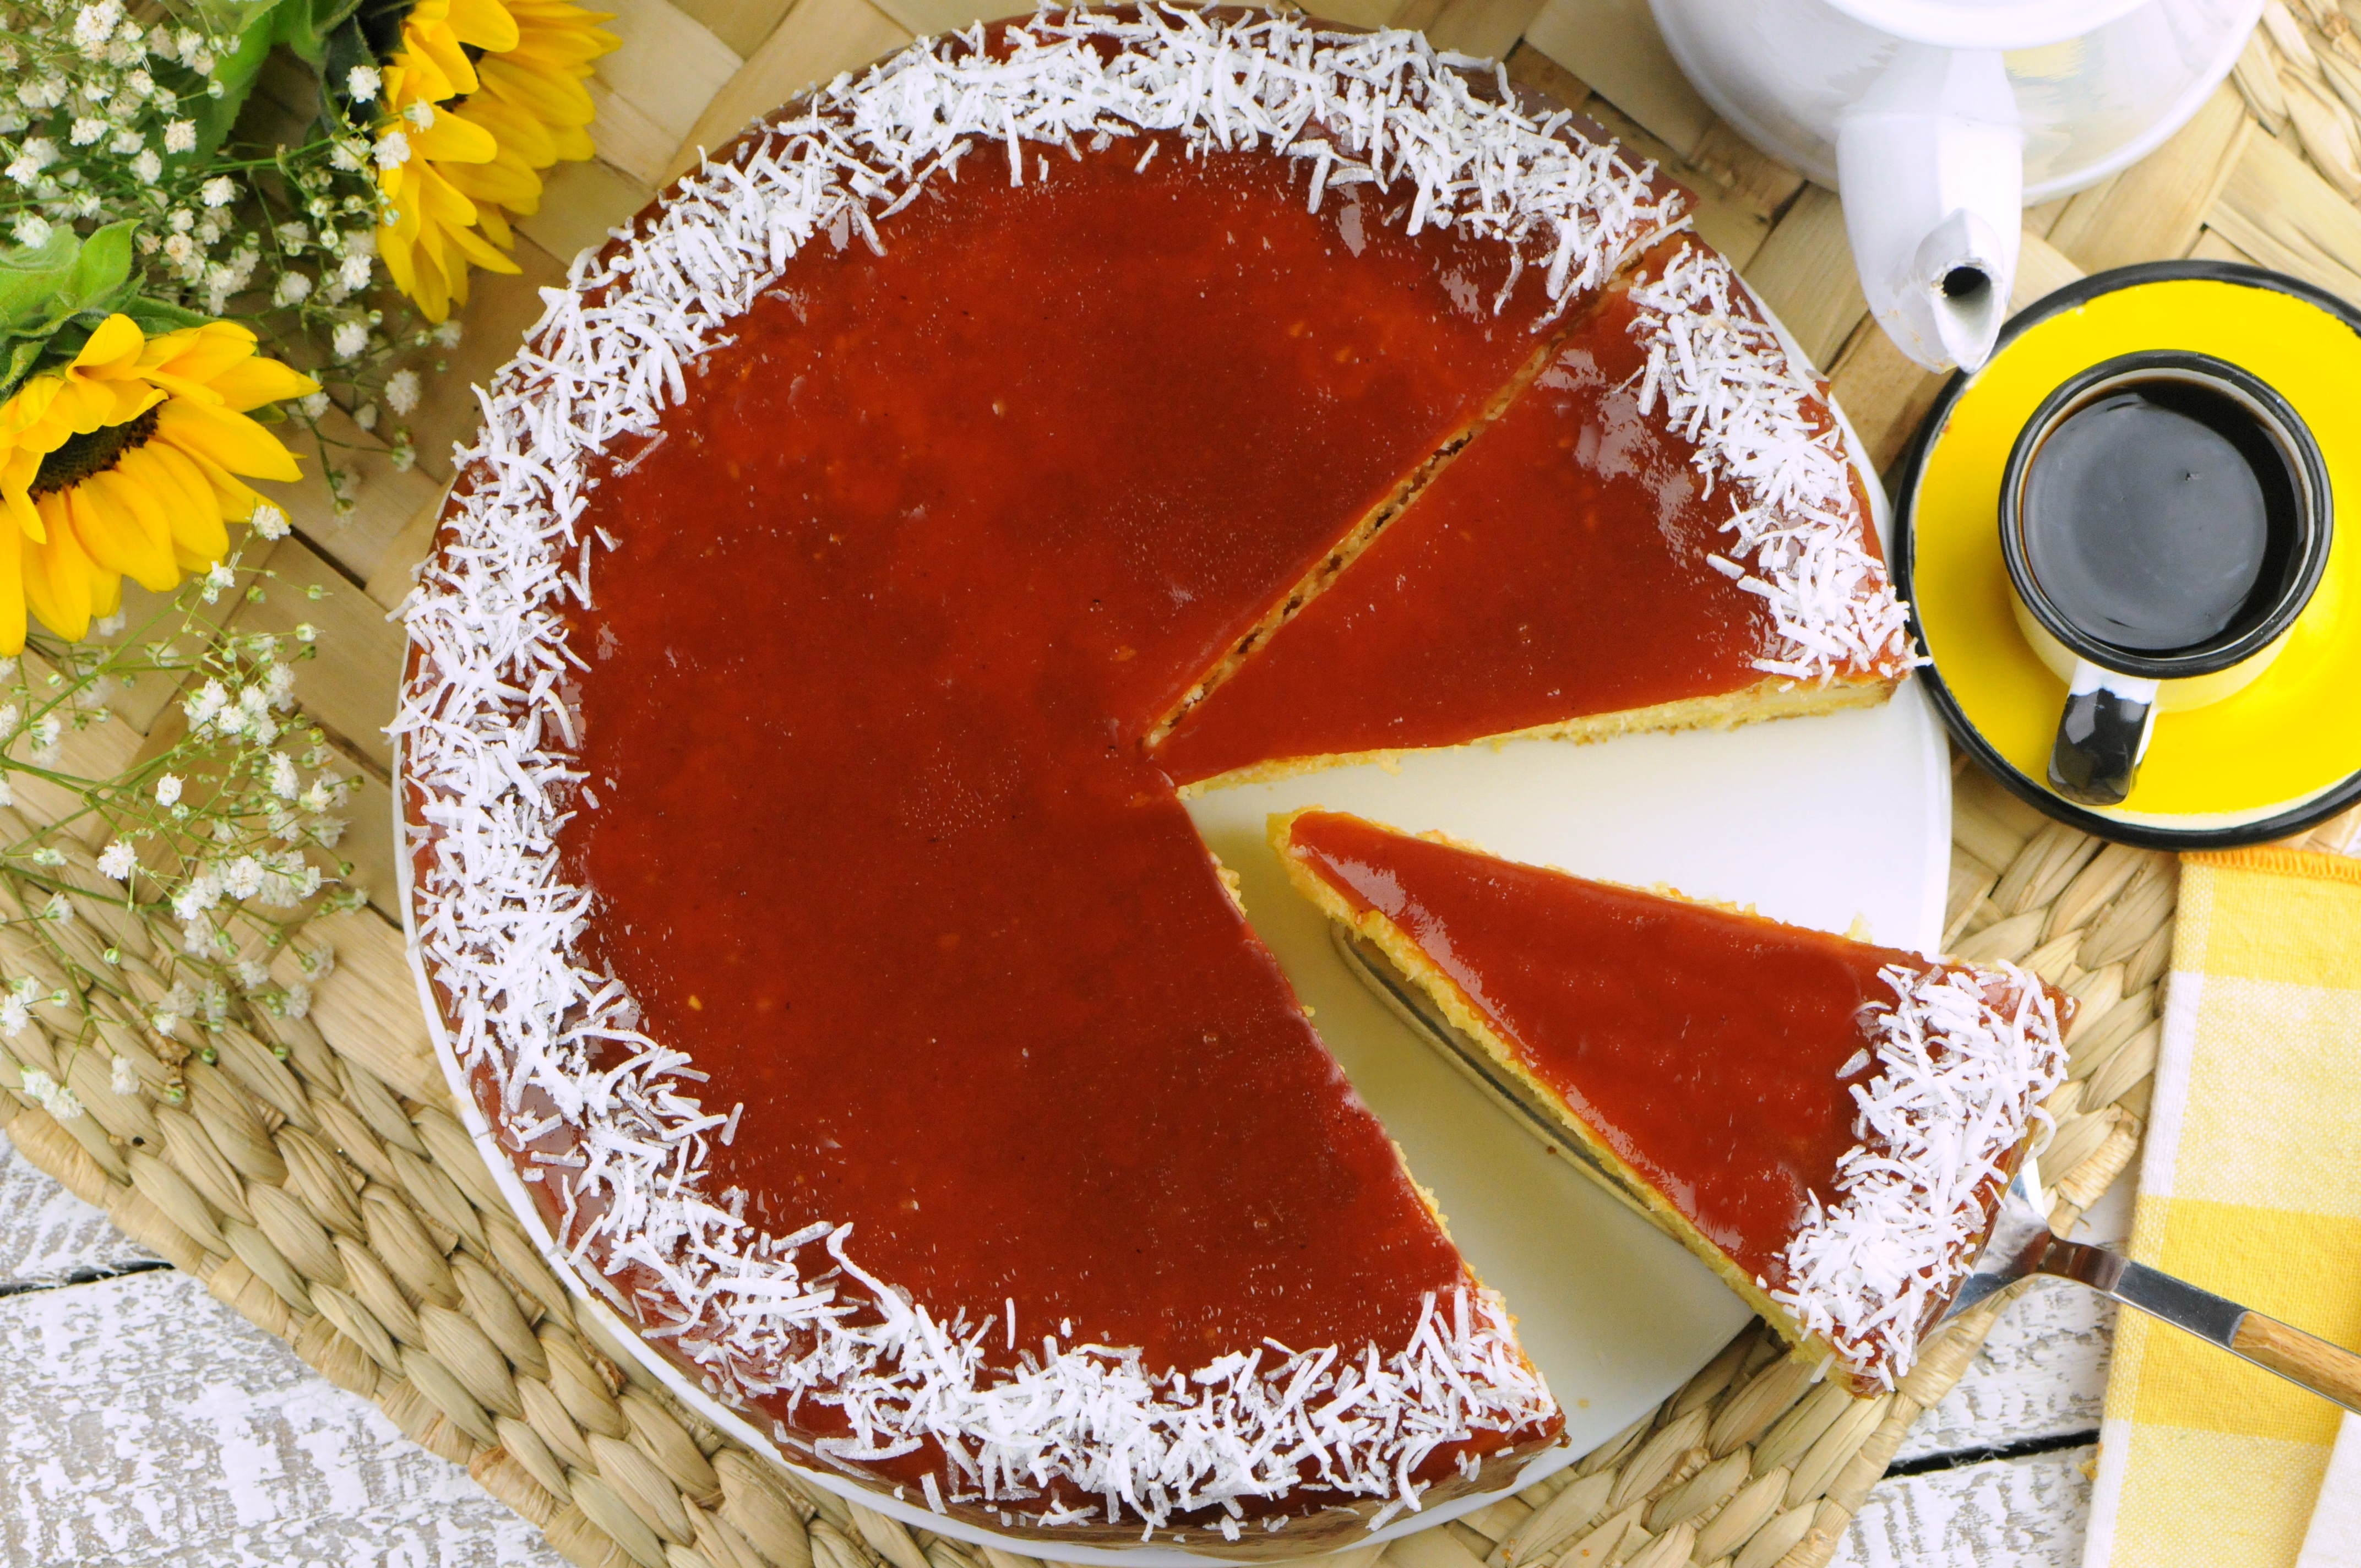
pixel 1930 164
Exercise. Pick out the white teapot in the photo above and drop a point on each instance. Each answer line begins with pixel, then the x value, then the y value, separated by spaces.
pixel 1937 121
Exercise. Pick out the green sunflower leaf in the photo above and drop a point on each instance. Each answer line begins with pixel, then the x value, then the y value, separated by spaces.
pixel 30 275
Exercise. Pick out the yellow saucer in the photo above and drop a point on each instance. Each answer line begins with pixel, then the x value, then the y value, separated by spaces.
pixel 2272 760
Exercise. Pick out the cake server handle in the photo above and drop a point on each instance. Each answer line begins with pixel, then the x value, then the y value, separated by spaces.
pixel 2306 1360
pixel 2021 1244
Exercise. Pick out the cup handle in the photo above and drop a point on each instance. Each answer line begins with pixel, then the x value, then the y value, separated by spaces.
pixel 2102 735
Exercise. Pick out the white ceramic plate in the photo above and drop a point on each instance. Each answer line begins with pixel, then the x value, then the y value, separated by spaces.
pixel 1819 821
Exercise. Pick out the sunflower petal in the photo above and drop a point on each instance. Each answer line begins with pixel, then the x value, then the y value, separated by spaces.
pixel 505 182
pixel 231 440
pixel 483 23
pixel 58 577
pixel 238 502
pixel 520 133
pixel 493 220
pixel 27 514
pixel 12 546
pixel 253 382
pixel 119 340
pixel 199 538
pixel 454 138
pixel 123 531
pixel 554 100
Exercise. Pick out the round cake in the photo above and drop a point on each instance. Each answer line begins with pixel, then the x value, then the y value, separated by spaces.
pixel 867 549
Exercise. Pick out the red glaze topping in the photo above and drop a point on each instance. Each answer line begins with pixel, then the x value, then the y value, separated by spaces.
pixel 1702 1045
pixel 929 547
pixel 1555 570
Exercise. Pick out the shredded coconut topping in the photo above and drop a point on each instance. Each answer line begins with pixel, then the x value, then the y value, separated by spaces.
pixel 608 1119
pixel 1761 428
pixel 1965 1058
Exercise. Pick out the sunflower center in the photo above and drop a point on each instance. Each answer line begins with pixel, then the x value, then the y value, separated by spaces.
pixel 85 455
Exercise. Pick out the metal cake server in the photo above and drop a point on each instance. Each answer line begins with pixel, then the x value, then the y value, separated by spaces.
pixel 2021 1244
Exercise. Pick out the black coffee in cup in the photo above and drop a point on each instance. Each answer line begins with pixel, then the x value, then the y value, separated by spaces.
pixel 2162 516
pixel 2165 516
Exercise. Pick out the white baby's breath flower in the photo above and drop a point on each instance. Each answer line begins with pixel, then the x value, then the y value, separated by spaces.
pixel 269 521
pixel 94 25
pixel 365 416
pixel 349 155
pixel 181 250
pixel 350 338
pixel 118 860
pixel 86 130
pixel 32 229
pixel 392 150
pixel 353 271
pixel 58 910
pixel 201 709
pixel 447 333
pixel 52 1096
pixel 123 1078
pixel 127 142
pixel 218 580
pixel 298 1001
pixel 420 114
pixel 219 192
pixel 313 404
pixel 277 689
pixel 363 82
pixel 181 136
pixel 283 782
pixel 168 788
pixel 293 288
pixel 15 1014
pixel 242 878
pixel 401 391
pixel 252 975
pixel 147 166
pixel 48 733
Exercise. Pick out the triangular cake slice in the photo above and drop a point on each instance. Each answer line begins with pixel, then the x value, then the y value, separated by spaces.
pixel 1663 533
pixel 1826 1122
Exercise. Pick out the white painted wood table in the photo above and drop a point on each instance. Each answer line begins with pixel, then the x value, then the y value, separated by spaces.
pixel 143 1422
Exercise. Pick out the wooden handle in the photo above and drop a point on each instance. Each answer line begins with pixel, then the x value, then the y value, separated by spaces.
pixel 2323 1367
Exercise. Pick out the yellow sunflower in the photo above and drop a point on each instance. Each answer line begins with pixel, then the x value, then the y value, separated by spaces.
pixel 484 94
pixel 124 463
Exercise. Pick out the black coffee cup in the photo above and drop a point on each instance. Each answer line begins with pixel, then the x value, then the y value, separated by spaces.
pixel 2165 516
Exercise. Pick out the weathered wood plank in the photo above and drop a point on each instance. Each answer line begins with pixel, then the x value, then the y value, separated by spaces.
pixel 816 40
pixel 740 24
pixel 668 69
pixel 580 203
pixel 924 18
pixel 382 496
pixel 1487 28
pixel 2043 1373
pixel 47 1234
pixel 499 308
pixel 142 1423
pixel 348 689
pixel 1804 274
pixel 2009 1513
pixel 1615 46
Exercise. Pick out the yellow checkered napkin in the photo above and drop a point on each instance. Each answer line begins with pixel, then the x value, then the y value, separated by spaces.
pixel 2250 1186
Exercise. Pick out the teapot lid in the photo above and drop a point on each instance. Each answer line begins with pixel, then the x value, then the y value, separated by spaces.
pixel 1987 24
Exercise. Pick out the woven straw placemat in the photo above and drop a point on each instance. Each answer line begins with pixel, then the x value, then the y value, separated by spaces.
pixel 315 1178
